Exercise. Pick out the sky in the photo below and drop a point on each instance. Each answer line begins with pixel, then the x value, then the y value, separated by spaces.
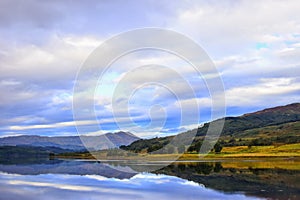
pixel 254 45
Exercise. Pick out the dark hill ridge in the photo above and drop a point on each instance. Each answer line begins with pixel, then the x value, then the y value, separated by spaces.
pixel 108 140
pixel 293 108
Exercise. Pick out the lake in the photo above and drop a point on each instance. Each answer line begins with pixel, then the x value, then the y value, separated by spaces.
pixel 88 179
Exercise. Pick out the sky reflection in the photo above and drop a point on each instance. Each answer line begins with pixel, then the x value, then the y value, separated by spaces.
pixel 140 186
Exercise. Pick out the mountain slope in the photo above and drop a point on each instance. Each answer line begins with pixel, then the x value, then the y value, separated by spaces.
pixel 278 125
pixel 267 117
pixel 108 140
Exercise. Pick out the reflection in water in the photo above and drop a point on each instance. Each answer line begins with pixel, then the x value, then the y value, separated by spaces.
pixel 69 167
pixel 141 186
pixel 59 179
pixel 273 183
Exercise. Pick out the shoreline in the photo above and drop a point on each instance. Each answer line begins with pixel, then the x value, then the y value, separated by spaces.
pixel 184 157
pixel 287 151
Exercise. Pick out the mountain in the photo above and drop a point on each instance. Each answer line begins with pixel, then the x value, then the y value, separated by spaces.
pixel 75 143
pixel 278 125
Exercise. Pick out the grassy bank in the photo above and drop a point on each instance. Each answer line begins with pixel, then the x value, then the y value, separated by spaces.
pixel 243 152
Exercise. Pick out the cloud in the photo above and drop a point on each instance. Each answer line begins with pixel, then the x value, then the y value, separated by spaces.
pixel 43 44
pixel 265 92
pixel 35 13
pixel 34 64
pixel 36 81
pixel 229 23
pixel 55 125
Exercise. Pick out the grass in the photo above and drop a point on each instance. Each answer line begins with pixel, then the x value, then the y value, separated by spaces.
pixel 272 151
pixel 236 152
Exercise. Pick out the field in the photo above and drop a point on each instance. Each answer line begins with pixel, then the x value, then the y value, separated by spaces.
pixel 286 152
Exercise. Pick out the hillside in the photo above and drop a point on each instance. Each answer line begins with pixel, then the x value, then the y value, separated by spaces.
pixel 272 126
pixel 267 117
pixel 108 140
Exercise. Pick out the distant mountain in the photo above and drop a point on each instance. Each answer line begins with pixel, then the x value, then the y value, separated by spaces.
pixel 108 140
pixel 278 125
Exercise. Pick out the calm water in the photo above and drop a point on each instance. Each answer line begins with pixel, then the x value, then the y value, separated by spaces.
pixel 58 179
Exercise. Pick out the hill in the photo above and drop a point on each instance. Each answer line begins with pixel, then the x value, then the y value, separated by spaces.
pixel 74 143
pixel 267 117
pixel 272 126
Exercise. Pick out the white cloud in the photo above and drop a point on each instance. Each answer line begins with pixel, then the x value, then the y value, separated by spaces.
pixel 271 90
pixel 55 125
pixel 57 60
pixel 234 21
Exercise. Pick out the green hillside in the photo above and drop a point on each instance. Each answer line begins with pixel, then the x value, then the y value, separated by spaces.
pixel 267 117
pixel 273 126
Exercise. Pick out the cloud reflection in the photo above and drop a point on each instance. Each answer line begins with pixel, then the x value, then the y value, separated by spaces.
pixel 140 186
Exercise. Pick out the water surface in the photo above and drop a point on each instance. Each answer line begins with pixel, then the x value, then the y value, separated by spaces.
pixel 61 179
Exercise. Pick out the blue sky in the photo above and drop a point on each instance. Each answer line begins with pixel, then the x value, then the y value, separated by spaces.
pixel 255 46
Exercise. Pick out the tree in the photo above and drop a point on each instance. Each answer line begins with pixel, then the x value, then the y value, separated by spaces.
pixel 232 141
pixel 191 148
pixel 218 147
pixel 153 148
